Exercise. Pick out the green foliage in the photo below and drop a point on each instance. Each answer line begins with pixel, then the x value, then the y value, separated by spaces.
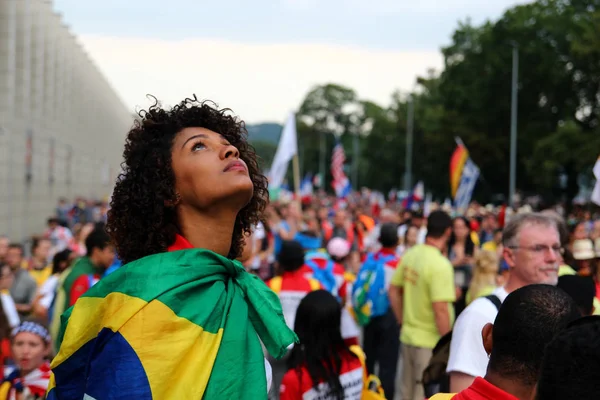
pixel 558 43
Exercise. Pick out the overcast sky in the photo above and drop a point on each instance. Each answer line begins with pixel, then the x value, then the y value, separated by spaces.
pixel 261 57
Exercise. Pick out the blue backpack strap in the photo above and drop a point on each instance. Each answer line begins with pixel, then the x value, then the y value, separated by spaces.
pixel 312 264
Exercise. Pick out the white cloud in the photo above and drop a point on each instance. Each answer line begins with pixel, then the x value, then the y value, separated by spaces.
pixel 259 82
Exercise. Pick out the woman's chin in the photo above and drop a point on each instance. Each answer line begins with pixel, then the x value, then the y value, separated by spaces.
pixel 241 193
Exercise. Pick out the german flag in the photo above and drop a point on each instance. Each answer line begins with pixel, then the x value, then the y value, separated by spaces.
pixel 177 325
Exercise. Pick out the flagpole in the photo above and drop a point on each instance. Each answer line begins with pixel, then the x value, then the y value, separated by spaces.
pixel 296 171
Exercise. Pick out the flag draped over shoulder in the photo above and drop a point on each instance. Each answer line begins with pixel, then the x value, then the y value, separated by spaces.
pixel 176 325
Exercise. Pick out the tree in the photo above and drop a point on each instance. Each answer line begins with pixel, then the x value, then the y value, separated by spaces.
pixel 328 111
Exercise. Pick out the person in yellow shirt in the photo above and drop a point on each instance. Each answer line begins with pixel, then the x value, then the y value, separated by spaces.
pixel 421 295
pixel 39 268
pixel 492 245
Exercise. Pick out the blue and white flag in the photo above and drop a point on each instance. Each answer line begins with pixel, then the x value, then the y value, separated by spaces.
pixel 468 179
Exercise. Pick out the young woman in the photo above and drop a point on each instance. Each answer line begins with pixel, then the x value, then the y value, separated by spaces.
pixel 322 366
pixel 190 193
pixel 410 239
pixel 30 348
pixel 485 276
pixel 461 252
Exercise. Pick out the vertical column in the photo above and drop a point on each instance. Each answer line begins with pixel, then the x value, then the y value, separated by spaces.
pixel 8 54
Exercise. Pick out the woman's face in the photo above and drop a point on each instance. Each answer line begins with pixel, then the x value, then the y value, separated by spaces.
pixel 460 229
pixel 29 351
pixel 208 171
pixel 411 236
pixel 579 233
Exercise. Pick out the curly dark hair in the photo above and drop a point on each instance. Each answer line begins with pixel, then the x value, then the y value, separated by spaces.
pixel 139 223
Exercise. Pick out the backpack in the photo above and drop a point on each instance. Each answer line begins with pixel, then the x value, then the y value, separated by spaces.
pixel 369 297
pixel 324 275
pixel 435 379
pixel 372 389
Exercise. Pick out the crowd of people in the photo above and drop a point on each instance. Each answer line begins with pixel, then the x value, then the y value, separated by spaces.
pixel 224 294
pixel 441 274
pixel 40 278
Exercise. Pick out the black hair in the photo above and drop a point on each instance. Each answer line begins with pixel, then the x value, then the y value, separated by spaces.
pixel 469 245
pixel 388 235
pixel 17 246
pixel 97 239
pixel 438 223
pixel 581 289
pixel 321 345
pixel 571 366
pixel 36 240
pixel 139 222
pixel 60 257
pixel 53 220
pixel 528 320
pixel 291 255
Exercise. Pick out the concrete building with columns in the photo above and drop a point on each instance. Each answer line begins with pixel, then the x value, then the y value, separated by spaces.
pixel 62 126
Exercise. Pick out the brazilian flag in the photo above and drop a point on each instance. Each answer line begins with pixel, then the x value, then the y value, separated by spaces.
pixel 176 325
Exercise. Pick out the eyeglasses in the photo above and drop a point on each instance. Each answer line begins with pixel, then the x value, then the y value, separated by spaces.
pixel 541 249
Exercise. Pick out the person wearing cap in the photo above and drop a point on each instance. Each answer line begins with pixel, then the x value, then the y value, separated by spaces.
pixel 339 250
pixel 584 255
pixel 30 348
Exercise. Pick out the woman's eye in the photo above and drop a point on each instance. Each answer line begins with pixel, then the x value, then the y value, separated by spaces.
pixel 198 146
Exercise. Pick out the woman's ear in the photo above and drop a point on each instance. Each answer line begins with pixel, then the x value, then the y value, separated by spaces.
pixel 486 335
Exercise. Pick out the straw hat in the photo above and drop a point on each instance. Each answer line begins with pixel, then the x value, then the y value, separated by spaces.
pixel 583 249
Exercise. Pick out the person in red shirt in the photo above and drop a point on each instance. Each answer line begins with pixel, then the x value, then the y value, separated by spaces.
pixel 101 254
pixel 529 319
pixel 292 285
pixel 323 367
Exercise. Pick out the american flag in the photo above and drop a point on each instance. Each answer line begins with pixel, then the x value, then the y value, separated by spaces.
pixel 340 183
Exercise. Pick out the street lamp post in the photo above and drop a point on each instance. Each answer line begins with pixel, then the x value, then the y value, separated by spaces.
pixel 409 146
pixel 513 125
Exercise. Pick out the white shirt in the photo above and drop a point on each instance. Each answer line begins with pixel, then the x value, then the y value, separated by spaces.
pixel 258 235
pixel 269 372
pixel 48 290
pixel 8 305
pixel 467 354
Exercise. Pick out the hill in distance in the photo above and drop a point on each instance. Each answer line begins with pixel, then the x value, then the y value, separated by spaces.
pixel 267 132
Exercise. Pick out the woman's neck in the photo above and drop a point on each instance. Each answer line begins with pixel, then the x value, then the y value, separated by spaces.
pixel 211 232
pixel 25 372
pixel 460 241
